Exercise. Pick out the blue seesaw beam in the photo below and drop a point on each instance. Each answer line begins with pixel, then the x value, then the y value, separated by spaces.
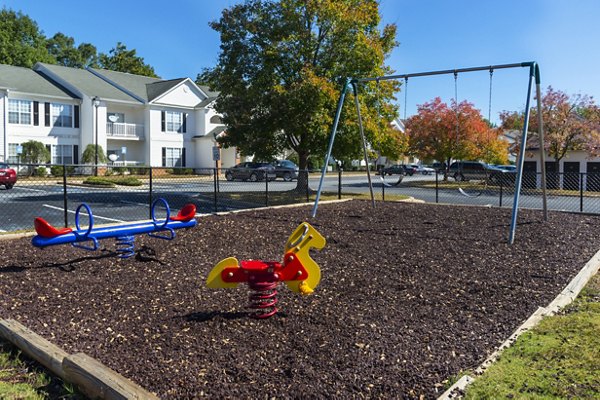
pixel 164 229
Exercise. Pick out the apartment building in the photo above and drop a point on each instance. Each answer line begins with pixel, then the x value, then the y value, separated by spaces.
pixel 137 119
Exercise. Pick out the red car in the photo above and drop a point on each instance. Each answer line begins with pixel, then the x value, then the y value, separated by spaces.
pixel 8 176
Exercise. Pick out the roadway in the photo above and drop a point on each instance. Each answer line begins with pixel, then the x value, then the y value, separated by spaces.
pixel 26 201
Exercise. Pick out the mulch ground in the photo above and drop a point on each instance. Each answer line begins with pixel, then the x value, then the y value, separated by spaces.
pixel 411 294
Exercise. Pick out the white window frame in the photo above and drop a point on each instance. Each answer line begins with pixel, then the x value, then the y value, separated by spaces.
pixel 23 111
pixel 173 122
pixel 59 117
pixel 13 157
pixel 173 157
pixel 60 154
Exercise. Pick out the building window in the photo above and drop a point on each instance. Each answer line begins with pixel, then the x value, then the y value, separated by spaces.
pixel 62 154
pixel 19 112
pixel 62 115
pixel 173 157
pixel 13 157
pixel 174 121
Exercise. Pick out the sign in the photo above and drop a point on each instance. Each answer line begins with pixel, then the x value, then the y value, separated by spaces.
pixel 216 153
pixel 19 149
pixel 123 150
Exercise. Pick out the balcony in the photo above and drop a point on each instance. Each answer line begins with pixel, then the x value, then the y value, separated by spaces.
pixel 119 130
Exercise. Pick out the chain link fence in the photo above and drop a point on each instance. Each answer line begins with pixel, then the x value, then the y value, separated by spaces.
pixel 120 194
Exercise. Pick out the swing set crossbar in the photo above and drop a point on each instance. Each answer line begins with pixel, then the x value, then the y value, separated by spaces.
pixel 534 74
pixel 529 64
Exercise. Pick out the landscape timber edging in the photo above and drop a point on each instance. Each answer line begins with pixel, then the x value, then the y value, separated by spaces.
pixel 94 379
pixel 564 298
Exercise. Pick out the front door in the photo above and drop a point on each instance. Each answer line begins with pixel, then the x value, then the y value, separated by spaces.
pixel 571 175
pixel 552 175
pixel 593 176
pixel 529 180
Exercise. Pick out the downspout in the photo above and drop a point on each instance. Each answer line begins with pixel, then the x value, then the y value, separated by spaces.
pixel 5 145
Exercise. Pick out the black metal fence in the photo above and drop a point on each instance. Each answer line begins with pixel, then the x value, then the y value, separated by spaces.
pixel 125 194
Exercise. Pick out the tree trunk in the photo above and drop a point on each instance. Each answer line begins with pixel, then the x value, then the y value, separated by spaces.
pixel 302 182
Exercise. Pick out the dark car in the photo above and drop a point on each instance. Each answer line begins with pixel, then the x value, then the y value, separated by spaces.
pixel 286 169
pixel 252 171
pixel 393 170
pixel 475 170
pixel 8 176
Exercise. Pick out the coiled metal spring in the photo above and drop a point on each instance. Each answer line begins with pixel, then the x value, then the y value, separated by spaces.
pixel 263 299
pixel 125 246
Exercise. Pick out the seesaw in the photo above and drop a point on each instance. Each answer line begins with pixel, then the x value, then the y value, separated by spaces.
pixel 48 235
pixel 300 273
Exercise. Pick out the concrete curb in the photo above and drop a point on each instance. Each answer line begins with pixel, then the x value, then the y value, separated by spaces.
pixel 569 293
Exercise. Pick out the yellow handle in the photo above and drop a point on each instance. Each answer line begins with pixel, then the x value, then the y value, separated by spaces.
pixel 304 238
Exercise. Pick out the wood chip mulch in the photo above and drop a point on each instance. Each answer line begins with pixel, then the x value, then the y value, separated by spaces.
pixel 411 294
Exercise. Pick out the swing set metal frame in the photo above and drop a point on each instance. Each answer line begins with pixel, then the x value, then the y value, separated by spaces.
pixel 534 74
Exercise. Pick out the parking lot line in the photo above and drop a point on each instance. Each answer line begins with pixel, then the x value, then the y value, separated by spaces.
pixel 73 212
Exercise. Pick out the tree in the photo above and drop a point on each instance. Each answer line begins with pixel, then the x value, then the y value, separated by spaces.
pixel 571 123
pixel 89 155
pixel 446 133
pixel 35 152
pixel 123 60
pixel 22 43
pixel 63 49
pixel 281 67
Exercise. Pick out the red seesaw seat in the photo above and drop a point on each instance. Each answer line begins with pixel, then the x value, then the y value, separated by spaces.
pixel 186 213
pixel 44 229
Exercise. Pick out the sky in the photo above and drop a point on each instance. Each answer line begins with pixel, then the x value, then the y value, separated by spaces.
pixel 562 36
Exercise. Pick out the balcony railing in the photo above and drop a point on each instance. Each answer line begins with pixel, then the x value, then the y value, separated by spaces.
pixel 123 130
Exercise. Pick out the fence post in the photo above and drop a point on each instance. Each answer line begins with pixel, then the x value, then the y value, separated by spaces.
pixel 307 186
pixel 339 183
pixel 150 193
pixel 266 189
pixel 501 186
pixel 215 189
pixel 65 195
pixel 581 192
pixel 437 187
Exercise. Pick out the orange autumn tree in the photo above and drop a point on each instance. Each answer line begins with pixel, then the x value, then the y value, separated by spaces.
pixel 458 132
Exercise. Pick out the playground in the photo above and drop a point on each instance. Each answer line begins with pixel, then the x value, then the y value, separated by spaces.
pixel 410 295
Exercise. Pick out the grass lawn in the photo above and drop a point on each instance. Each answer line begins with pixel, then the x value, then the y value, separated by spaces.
pixel 558 359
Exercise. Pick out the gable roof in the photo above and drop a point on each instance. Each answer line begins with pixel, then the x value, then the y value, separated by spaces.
pixel 157 89
pixel 85 82
pixel 25 80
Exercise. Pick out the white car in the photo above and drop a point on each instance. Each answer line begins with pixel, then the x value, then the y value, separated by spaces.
pixel 424 170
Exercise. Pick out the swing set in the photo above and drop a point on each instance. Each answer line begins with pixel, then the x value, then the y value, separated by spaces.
pixel 534 74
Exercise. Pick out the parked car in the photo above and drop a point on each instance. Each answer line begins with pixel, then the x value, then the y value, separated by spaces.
pixel 409 169
pixel 286 169
pixel 253 171
pixel 439 167
pixel 473 170
pixel 422 169
pixel 8 176
pixel 393 170
pixel 510 168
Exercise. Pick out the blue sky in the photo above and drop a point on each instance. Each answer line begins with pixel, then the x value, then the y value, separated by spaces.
pixel 562 36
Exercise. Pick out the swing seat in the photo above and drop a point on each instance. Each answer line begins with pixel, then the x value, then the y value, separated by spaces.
pixel 44 229
pixel 186 213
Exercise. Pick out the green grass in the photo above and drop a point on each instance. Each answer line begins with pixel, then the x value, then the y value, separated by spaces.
pixel 24 379
pixel 558 359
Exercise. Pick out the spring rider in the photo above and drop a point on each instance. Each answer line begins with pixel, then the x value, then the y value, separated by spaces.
pixel 298 271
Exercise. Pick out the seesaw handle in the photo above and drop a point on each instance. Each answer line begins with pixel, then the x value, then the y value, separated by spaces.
pixel 166 205
pixel 91 217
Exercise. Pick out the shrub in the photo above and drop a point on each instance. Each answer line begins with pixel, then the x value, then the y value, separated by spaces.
pixel 57 170
pixel 40 171
pixel 127 181
pixel 182 171
pixel 98 181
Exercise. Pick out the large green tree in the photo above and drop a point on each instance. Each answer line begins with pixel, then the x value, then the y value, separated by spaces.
pixel 62 48
pixel 280 70
pixel 22 43
pixel 123 60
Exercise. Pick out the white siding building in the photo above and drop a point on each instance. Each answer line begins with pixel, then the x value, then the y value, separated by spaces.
pixel 142 120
